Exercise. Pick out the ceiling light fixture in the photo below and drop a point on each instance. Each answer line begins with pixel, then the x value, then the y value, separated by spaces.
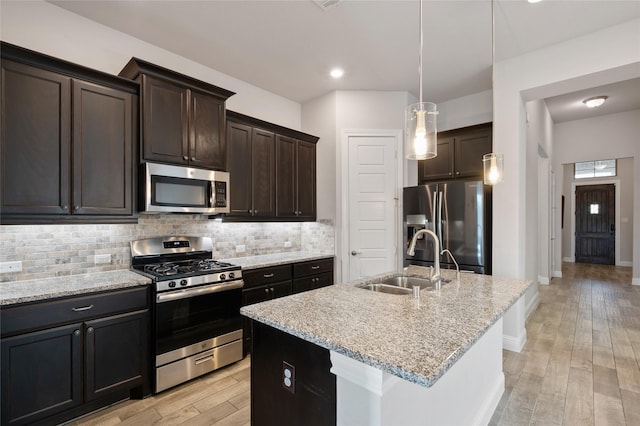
pixel 492 163
pixel 595 101
pixel 534 1
pixel 336 72
pixel 420 121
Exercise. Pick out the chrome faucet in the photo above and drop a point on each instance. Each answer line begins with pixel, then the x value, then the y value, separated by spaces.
pixel 411 251
pixel 454 261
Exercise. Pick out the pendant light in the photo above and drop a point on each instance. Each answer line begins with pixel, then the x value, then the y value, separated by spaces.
pixel 420 121
pixel 493 164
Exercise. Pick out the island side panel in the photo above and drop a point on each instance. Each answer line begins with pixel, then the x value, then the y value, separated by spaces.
pixel 311 398
pixel 467 394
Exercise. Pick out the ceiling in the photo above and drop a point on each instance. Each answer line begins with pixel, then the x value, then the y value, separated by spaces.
pixel 288 47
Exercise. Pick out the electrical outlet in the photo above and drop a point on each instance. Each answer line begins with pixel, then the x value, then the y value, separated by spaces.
pixel 241 248
pixel 102 258
pixel 288 377
pixel 287 244
pixel 6 267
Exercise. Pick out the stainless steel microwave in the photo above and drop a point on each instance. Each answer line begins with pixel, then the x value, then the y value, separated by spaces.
pixel 182 189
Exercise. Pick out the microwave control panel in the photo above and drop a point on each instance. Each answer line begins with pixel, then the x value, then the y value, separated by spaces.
pixel 220 188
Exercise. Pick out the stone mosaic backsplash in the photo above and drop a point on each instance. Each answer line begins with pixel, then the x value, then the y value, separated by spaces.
pixel 59 250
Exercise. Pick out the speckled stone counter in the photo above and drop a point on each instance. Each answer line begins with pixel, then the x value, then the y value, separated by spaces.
pixel 415 339
pixel 266 260
pixel 49 288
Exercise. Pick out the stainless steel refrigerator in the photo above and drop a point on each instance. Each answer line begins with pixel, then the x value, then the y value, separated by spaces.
pixel 459 212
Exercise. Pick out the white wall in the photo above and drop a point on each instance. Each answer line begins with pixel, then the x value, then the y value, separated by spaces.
pixel 537 75
pixel 465 111
pixel 48 29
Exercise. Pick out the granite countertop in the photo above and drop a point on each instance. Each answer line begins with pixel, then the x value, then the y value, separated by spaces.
pixel 265 260
pixel 48 288
pixel 415 339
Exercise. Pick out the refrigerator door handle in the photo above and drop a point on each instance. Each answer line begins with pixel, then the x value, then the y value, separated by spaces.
pixel 440 221
pixel 434 210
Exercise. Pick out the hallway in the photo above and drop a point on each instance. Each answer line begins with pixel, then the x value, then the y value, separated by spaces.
pixel 581 362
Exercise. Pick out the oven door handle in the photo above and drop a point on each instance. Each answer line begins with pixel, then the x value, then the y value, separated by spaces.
pixel 198 291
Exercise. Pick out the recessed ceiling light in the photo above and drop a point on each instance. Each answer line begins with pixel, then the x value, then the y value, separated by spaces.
pixel 595 101
pixel 337 72
pixel 534 1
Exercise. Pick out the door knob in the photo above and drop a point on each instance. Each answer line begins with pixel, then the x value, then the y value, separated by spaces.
pixel 355 253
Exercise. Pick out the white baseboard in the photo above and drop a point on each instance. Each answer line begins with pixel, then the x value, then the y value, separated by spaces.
pixel 543 280
pixel 635 281
pixel 625 263
pixel 532 305
pixel 514 344
pixel 569 259
pixel 557 274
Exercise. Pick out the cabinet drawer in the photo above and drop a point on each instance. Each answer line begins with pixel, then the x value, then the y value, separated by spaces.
pixel 21 318
pixel 264 276
pixel 312 282
pixel 312 267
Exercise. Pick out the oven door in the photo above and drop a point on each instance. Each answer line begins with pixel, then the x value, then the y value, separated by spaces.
pixel 198 318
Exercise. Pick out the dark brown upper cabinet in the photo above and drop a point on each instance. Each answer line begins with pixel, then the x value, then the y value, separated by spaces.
pixel 460 154
pixel 68 138
pixel 251 165
pixel 273 171
pixel 295 179
pixel 183 119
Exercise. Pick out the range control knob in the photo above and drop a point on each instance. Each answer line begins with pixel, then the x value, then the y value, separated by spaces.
pixel 183 282
pixel 172 284
pixel 223 277
pixel 232 275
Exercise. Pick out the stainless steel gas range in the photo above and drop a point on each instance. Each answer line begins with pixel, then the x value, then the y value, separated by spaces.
pixel 197 326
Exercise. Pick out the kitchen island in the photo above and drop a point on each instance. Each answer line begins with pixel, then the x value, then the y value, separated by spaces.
pixel 401 360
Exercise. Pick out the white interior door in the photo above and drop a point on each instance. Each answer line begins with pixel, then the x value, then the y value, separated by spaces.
pixel 372 204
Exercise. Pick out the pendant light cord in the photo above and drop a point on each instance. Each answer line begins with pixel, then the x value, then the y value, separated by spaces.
pixel 420 54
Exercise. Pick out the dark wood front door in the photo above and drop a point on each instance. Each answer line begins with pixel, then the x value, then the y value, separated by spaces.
pixel 595 224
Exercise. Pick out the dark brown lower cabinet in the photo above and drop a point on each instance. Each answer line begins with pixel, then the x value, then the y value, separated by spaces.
pixel 268 283
pixel 311 397
pixel 57 373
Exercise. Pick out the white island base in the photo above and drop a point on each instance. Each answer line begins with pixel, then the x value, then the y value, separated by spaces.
pixel 467 393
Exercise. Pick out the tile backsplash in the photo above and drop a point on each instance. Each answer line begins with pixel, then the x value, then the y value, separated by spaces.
pixel 58 250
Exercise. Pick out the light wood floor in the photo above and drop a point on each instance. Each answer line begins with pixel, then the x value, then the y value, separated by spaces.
pixel 219 398
pixel 580 365
pixel 581 362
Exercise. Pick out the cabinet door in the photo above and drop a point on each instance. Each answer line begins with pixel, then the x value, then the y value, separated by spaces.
pixel 208 147
pixel 263 173
pixel 41 374
pixel 469 150
pixel 440 167
pixel 286 200
pixel 36 140
pixel 102 150
pixel 238 166
pixel 306 180
pixel 312 282
pixel 164 122
pixel 116 353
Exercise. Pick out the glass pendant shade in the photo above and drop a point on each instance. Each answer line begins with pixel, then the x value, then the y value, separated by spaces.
pixel 493 168
pixel 421 142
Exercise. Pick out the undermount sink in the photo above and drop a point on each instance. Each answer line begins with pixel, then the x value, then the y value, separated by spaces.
pixel 407 282
pixel 400 284
pixel 385 288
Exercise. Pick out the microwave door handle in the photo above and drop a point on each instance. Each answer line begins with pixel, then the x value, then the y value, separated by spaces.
pixel 211 194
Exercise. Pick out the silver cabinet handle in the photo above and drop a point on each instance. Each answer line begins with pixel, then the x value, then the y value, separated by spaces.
pixel 315 267
pixel 193 158
pixel 268 275
pixel 76 333
pixel 84 308
pixel 266 290
pixel 185 158
pixel 90 330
